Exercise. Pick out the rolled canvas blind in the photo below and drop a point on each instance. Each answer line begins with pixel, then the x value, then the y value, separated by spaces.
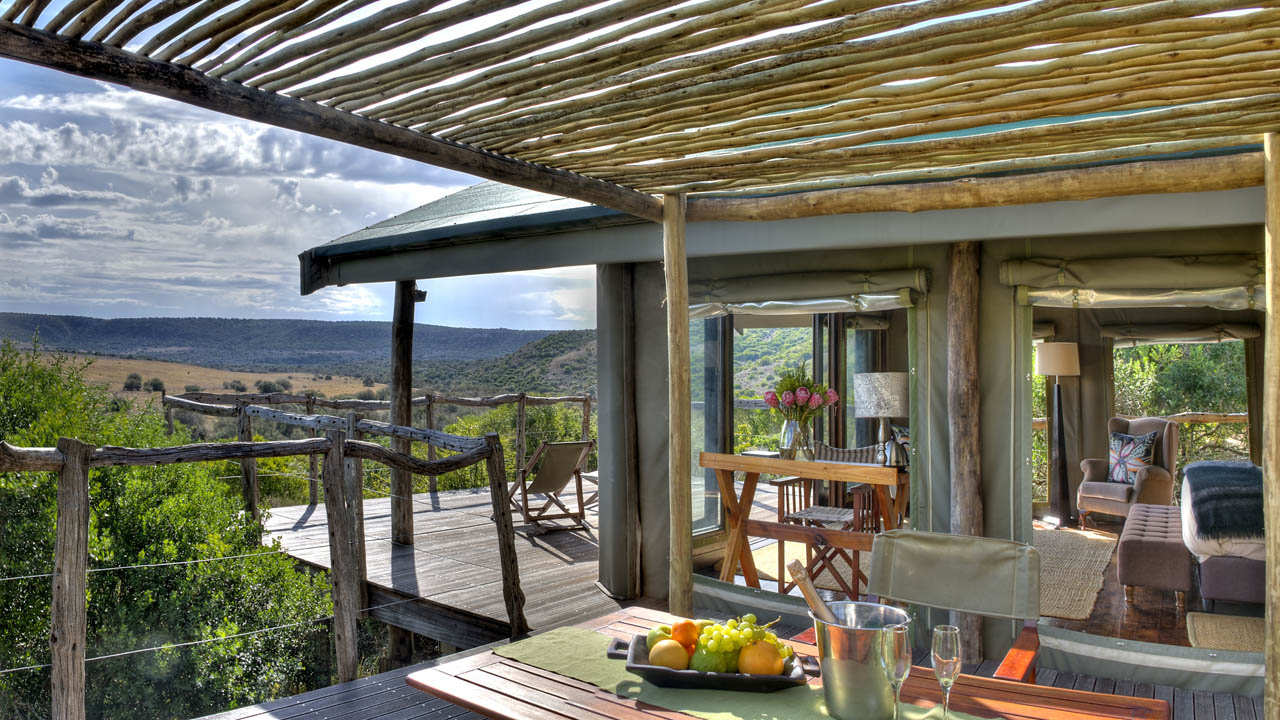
pixel 1179 333
pixel 807 293
pixel 871 302
pixel 1225 282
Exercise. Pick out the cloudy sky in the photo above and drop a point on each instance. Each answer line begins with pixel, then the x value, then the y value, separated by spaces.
pixel 115 203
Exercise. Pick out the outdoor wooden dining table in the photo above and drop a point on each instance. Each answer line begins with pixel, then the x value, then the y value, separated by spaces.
pixel 498 687
pixel 741 525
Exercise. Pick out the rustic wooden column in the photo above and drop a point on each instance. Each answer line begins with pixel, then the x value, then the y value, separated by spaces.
pixel 679 472
pixel 400 641
pixel 343 569
pixel 512 595
pixel 1271 424
pixel 963 413
pixel 353 474
pixel 248 466
pixel 70 568
pixel 401 407
pixel 313 492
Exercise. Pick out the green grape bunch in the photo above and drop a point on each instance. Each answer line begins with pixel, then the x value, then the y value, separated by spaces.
pixel 720 643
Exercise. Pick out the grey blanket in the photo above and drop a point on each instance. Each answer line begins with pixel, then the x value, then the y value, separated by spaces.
pixel 1226 498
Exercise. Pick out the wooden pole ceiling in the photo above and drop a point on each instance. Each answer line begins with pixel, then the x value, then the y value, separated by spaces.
pixel 617 102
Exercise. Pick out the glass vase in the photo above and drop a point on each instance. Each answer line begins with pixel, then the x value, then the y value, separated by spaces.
pixel 795 442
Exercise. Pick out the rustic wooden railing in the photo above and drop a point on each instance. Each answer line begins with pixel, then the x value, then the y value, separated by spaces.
pixel 341 474
pixel 1183 418
pixel 234 404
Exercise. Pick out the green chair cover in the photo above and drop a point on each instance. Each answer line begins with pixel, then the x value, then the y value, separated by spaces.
pixel 984 576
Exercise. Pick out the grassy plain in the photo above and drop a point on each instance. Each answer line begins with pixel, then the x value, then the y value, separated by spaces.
pixel 112 371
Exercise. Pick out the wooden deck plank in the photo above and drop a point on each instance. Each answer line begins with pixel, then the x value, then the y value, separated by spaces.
pixel 452 572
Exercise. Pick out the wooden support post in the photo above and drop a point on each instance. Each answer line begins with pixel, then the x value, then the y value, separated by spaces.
pixel 679 470
pixel 353 473
pixel 512 595
pixel 402 408
pixel 963 412
pixel 1271 424
pixel 248 466
pixel 70 568
pixel 586 417
pixel 168 418
pixel 343 569
pixel 313 493
pixel 432 486
pixel 522 416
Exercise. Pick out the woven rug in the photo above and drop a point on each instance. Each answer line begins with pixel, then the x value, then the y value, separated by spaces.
pixel 766 559
pixel 1225 632
pixel 1073 564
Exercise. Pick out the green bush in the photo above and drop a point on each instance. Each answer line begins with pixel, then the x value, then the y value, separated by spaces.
pixel 155 385
pixel 133 382
pixel 235 386
pixel 192 388
pixel 145 516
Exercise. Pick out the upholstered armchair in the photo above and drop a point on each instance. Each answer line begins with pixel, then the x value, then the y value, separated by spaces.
pixel 1154 483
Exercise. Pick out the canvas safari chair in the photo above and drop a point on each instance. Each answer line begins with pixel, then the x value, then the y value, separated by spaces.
pixel 547 473
pixel 984 576
pixel 1153 484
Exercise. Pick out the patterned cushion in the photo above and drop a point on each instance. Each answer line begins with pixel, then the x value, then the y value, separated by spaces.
pixel 1129 454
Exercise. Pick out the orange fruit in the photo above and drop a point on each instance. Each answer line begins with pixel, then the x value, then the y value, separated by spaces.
pixel 685 632
pixel 669 653
pixel 760 658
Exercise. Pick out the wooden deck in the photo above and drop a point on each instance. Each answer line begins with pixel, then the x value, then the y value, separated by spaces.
pixel 448 584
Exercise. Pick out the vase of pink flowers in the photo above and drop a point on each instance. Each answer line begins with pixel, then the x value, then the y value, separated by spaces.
pixel 799 399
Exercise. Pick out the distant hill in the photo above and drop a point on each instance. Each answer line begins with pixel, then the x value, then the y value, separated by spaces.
pixel 349 348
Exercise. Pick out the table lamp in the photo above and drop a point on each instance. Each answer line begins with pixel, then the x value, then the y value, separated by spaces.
pixel 882 395
pixel 1058 359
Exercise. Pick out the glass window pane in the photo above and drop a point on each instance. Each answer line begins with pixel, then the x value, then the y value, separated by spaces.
pixel 759 353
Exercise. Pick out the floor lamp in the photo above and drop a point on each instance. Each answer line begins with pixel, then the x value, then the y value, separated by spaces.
pixel 1058 359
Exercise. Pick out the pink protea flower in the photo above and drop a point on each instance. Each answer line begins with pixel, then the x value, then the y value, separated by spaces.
pixel 815 401
pixel 802 395
pixel 788 398
pixel 833 397
pixel 771 399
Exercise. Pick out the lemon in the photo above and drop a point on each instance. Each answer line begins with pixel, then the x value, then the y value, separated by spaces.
pixel 760 658
pixel 669 653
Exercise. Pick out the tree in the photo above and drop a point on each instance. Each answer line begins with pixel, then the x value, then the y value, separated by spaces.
pixel 155 385
pixel 145 516
pixel 266 386
pixel 133 382
pixel 284 384
pixel 235 385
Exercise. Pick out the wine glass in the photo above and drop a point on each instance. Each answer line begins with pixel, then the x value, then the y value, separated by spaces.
pixel 895 646
pixel 946 661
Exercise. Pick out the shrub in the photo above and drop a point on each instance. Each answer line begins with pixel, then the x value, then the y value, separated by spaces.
pixel 155 385
pixel 266 386
pixel 369 381
pixel 235 385
pixel 284 384
pixel 133 382
pixel 366 395
pixel 192 388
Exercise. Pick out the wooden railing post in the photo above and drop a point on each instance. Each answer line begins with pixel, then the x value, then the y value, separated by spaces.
pixel 432 482
pixel 168 418
pixel 512 595
pixel 353 473
pixel 586 417
pixel 521 418
pixel 313 492
pixel 1271 425
pixel 343 574
pixel 401 407
pixel 248 466
pixel 70 568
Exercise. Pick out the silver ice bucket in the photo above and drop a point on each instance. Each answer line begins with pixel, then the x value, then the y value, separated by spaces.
pixel 853 675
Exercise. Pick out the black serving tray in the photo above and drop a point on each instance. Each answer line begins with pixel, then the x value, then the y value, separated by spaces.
pixel 636 653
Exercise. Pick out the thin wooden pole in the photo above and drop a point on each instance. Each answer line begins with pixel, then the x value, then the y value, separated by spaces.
pixel 70 568
pixel 168 418
pixel 521 419
pixel 313 492
pixel 353 473
pixel 432 486
pixel 512 594
pixel 402 409
pixel 963 412
pixel 343 568
pixel 586 417
pixel 680 473
pixel 1271 423
pixel 248 466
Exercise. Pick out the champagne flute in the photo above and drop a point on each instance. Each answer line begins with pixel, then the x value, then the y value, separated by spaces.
pixel 946 661
pixel 895 646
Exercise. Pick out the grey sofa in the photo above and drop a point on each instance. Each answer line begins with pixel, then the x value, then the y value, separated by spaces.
pixel 1154 484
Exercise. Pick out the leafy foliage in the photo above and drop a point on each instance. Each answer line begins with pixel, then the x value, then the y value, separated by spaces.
pixel 145 516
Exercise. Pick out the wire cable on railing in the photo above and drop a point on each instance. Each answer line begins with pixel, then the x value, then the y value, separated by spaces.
pixel 205 641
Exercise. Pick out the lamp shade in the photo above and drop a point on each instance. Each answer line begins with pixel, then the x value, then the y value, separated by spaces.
pixel 1057 358
pixel 880 395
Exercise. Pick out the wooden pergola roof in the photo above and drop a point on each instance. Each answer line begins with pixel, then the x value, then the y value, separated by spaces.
pixel 613 102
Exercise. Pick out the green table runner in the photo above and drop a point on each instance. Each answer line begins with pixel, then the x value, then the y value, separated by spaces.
pixel 580 654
